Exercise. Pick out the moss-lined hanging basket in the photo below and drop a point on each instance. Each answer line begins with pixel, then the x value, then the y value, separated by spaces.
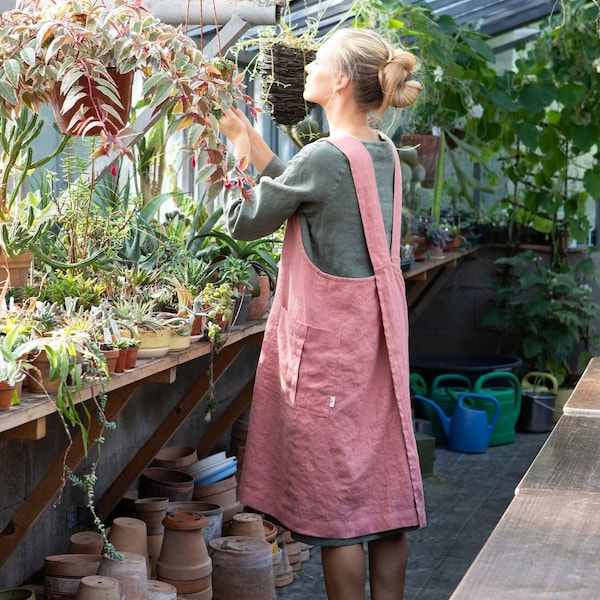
pixel 282 71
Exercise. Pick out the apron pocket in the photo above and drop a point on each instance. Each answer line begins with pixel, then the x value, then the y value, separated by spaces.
pixel 308 365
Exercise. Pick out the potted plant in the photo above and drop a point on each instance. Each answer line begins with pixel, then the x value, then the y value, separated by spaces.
pixel 550 312
pixel 13 363
pixel 216 302
pixel 68 47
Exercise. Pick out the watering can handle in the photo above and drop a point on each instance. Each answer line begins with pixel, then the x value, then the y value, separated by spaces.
pixel 539 377
pixel 417 384
pixel 478 387
pixel 454 377
pixel 477 396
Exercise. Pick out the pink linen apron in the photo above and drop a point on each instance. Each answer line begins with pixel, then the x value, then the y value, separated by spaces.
pixel 331 451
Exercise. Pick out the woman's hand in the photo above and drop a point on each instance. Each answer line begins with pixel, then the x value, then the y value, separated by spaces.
pixel 236 126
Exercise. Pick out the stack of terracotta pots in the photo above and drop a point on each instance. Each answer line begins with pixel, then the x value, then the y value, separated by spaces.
pixel 184 561
pixel 63 573
pixel 153 511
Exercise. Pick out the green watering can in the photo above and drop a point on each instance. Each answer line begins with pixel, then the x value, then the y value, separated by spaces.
pixel 506 388
pixel 445 391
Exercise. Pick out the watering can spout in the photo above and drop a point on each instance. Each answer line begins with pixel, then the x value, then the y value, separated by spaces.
pixel 444 420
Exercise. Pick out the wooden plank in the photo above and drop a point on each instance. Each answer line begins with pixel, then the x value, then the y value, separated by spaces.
pixel 569 459
pixel 170 425
pixel 585 399
pixel 34 430
pixel 168 376
pixel 233 410
pixel 33 407
pixel 41 496
pixel 545 546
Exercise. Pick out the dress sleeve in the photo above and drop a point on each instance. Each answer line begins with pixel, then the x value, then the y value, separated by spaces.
pixel 302 186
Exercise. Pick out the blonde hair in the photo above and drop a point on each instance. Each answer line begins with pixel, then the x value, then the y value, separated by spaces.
pixel 381 75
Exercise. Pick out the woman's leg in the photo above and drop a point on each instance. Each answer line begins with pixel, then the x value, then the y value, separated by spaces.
pixel 344 571
pixel 387 567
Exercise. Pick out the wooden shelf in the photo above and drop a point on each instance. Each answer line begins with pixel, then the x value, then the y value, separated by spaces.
pixel 37 406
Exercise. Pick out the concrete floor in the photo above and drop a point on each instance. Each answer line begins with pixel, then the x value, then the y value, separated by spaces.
pixel 464 499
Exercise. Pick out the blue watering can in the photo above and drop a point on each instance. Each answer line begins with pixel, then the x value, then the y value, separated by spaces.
pixel 468 429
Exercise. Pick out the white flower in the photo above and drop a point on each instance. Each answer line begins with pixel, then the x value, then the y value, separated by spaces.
pixel 476 111
pixel 438 74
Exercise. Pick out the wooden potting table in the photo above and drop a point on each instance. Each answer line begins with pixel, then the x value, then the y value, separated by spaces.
pixel 546 543
pixel 28 421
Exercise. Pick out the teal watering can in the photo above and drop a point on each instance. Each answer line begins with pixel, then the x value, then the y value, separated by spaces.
pixel 506 388
pixel 445 391
pixel 468 429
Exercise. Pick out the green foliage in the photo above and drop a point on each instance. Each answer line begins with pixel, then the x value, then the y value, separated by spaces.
pixel 552 311
pixel 59 285
pixel 549 137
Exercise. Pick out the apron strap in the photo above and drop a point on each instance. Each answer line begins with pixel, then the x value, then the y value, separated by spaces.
pixel 365 182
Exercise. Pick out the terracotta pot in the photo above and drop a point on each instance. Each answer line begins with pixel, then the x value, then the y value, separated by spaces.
pixel 121 360
pixel 223 493
pixel 184 555
pixel 86 542
pixel 131 357
pixel 98 587
pixel 152 511
pixel 175 457
pixel 242 568
pixel 38 380
pixel 131 573
pixel 17 269
pixel 259 305
pixel 71 565
pixel 130 535
pixel 9 394
pixel 124 83
pixel 161 590
pixel 111 357
pixel 247 525
pixel 169 483
pixel 212 512
pixel 154 548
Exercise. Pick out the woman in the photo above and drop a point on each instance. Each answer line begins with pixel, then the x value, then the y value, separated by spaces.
pixel 331 453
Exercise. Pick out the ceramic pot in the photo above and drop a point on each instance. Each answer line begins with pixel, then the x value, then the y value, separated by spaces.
pixel 124 84
pixel 168 483
pixel 72 565
pixel 98 587
pixel 161 590
pixel 38 377
pixel 184 555
pixel 17 268
pixel 223 493
pixel 121 360
pixel 247 525
pixel 9 393
pixel 130 535
pixel 175 457
pixel 242 568
pixel 131 357
pixel 152 511
pixel 154 548
pixel 212 512
pixel 179 342
pixel 86 542
pixel 131 573
pixel 282 570
pixel 111 357
pixel 259 305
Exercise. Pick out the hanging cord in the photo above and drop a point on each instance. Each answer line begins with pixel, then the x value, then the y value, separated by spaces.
pixel 216 25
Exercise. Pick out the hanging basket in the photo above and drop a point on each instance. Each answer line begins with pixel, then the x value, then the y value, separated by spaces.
pixel 94 108
pixel 282 70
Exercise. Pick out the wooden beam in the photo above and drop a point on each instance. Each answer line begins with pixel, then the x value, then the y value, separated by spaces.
pixel 169 426
pixel 225 420
pixel 168 376
pixel 34 430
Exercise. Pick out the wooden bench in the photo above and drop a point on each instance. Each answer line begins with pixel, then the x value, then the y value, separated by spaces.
pixel 546 543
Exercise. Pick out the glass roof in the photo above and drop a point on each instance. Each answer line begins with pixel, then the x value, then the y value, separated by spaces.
pixel 517 18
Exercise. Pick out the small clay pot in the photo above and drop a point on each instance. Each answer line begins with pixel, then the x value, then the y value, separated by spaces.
pixel 130 535
pixel 247 525
pixel 98 587
pixel 175 457
pixel 152 511
pixel 131 573
pixel 86 542
pixel 170 483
